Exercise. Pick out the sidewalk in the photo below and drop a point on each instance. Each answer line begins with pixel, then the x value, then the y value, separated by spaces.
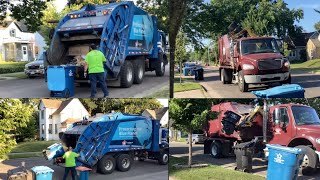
pixel 199 93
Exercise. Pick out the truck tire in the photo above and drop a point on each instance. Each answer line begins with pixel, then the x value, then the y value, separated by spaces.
pixel 226 76
pixel 310 161
pixel 126 75
pixel 243 86
pixel 160 66
pixel 163 158
pixel 106 164
pixel 215 150
pixel 139 70
pixel 124 162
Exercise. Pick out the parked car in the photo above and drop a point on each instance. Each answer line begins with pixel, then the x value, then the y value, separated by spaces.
pixel 197 137
pixel 35 68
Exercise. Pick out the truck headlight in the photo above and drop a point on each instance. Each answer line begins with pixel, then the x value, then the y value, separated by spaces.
pixel 287 64
pixel 247 67
pixel 26 66
pixel 318 140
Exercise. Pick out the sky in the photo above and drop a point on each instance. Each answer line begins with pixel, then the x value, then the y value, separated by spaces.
pixel 310 16
pixel 163 102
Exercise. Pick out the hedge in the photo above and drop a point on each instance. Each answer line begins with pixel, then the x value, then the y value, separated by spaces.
pixel 11 67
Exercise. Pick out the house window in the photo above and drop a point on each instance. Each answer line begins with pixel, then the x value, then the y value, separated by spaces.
pixel 42 129
pixel 50 116
pixel 50 129
pixel 13 33
pixel 42 114
pixel 56 128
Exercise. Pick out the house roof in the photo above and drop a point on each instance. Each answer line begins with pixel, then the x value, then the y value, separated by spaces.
pixel 51 103
pixel 63 105
pixel 70 120
pixel 316 42
pixel 158 113
pixel 302 39
pixel 20 24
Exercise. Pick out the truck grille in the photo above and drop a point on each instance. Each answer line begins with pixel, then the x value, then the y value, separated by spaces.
pixel 269 64
pixel 33 67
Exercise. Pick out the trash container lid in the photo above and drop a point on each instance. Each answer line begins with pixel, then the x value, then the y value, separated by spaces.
pixel 42 169
pixel 286 149
pixel 285 89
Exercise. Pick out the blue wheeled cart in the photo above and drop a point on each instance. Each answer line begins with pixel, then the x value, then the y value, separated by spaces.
pixel 285 91
pixel 61 81
pixel 284 162
pixel 42 173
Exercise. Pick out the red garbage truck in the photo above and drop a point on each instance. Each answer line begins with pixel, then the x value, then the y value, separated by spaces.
pixel 291 125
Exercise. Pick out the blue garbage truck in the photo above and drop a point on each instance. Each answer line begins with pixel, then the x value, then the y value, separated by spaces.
pixel 127 35
pixel 113 141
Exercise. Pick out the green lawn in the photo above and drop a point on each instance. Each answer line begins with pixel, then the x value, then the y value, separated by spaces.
pixel 35 146
pixel 28 155
pixel 212 172
pixel 186 87
pixel 310 66
pixel 20 75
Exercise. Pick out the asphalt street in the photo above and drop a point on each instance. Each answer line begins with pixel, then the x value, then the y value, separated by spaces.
pixel 37 88
pixel 139 170
pixel 260 166
pixel 215 89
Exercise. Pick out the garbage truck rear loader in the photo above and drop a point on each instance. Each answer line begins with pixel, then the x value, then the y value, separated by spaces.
pixel 113 142
pixel 291 125
pixel 127 36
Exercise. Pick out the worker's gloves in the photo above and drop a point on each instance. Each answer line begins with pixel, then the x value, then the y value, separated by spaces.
pixel 85 75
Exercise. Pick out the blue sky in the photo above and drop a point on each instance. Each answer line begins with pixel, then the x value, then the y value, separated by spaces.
pixel 310 16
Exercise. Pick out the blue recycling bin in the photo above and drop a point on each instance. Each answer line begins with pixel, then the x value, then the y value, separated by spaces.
pixel 186 71
pixel 53 151
pixel 42 173
pixel 61 81
pixel 284 162
pixel 285 91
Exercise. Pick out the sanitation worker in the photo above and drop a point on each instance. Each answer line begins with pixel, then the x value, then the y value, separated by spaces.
pixel 95 64
pixel 70 156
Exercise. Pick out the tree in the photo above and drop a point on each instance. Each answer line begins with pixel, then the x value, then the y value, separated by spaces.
pixel 190 114
pixel 317 26
pixel 286 51
pixel 30 11
pixel 180 52
pixel 14 115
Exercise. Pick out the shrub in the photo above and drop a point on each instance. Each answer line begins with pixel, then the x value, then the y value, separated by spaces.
pixel 12 67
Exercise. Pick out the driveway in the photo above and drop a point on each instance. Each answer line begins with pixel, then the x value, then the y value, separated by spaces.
pixel 215 89
pixel 139 170
pixel 37 88
pixel 179 149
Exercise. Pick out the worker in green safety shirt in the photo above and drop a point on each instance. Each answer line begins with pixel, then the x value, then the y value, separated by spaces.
pixel 70 158
pixel 95 61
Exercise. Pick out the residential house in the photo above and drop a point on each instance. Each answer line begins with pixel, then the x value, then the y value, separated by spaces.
pixel 313 46
pixel 56 116
pixel 297 44
pixel 18 44
pixel 159 114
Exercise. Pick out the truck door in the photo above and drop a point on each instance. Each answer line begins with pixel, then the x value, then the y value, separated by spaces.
pixel 282 126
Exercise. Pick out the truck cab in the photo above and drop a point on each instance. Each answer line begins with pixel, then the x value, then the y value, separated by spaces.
pixel 297 126
pixel 252 60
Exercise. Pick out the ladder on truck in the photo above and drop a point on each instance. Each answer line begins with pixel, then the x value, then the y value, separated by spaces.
pixel 115 37
pixel 92 145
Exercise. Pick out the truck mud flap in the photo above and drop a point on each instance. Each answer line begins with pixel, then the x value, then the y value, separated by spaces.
pixel 206 146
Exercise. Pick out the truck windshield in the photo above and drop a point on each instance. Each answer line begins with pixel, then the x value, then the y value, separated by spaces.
pixel 253 46
pixel 305 115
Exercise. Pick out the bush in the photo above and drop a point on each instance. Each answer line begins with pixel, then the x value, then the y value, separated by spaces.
pixel 12 67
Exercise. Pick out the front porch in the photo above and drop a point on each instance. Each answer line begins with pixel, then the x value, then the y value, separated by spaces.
pixel 17 51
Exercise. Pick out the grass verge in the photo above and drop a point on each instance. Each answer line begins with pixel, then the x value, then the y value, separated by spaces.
pixel 26 155
pixel 162 93
pixel 309 66
pixel 186 87
pixel 212 172
pixel 20 75
pixel 33 146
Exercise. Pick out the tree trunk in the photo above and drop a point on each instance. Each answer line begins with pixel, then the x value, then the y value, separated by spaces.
pixel 190 149
pixel 177 9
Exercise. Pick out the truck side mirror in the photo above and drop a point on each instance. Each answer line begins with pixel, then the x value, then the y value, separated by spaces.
pixel 277 116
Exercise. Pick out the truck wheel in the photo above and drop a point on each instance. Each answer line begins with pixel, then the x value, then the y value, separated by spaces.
pixel 139 70
pixel 126 75
pixel 226 76
pixel 243 86
pixel 160 67
pixel 310 161
pixel 163 158
pixel 216 150
pixel 124 162
pixel 106 165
